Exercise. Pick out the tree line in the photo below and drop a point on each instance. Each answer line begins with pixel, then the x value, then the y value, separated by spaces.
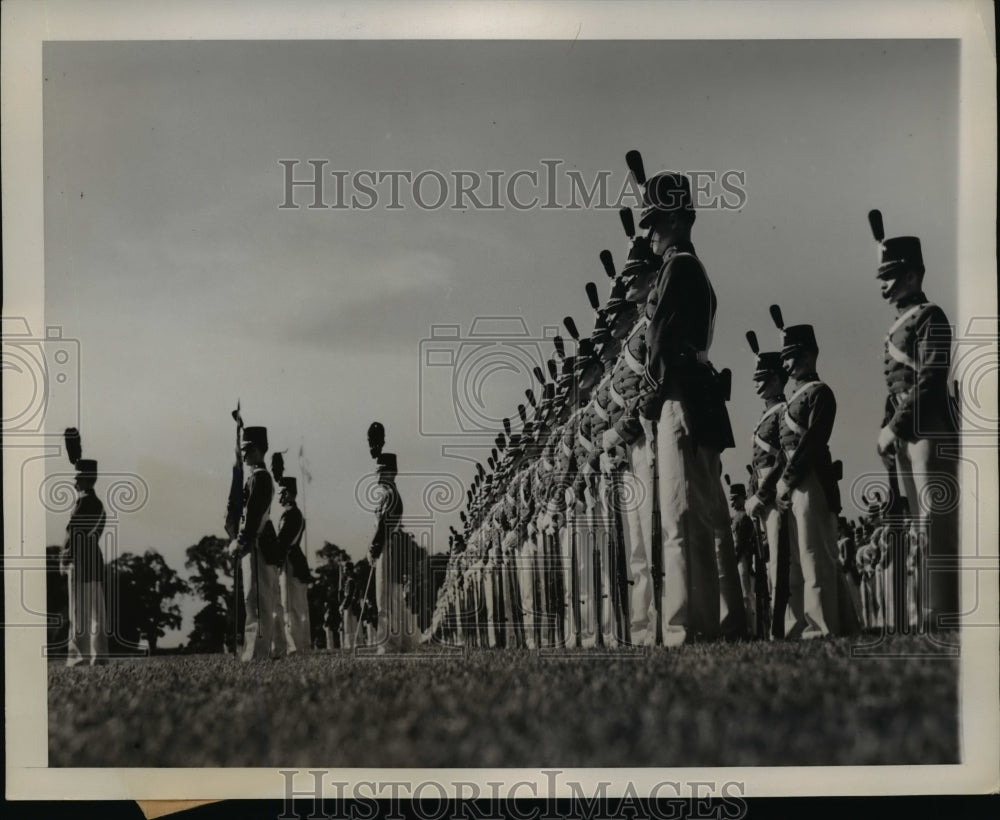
pixel 143 594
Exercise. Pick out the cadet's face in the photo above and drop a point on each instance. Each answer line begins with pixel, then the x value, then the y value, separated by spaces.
pixel 82 482
pixel 900 287
pixel 252 454
pixel 640 286
pixel 768 387
pixel 658 237
pixel 798 364
pixel 624 320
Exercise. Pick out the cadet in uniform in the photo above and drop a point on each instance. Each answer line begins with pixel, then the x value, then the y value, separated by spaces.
pixel 82 562
pixel 255 544
pixel 769 378
pixel 808 488
pixel 385 550
pixel 295 572
pixel 745 543
pixel 920 422
pixel 692 428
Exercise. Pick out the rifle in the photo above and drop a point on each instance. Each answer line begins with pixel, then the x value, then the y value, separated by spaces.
pixel 234 508
pixel 620 569
pixel 762 584
pixel 657 570
pixel 234 512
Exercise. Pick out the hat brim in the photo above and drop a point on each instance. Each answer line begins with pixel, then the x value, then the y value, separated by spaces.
pixel 618 306
pixel 766 374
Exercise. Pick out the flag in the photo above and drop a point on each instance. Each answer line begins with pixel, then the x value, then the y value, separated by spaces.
pixel 306 475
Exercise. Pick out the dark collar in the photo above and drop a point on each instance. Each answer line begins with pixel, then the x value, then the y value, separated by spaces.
pixel 682 246
pixel 915 299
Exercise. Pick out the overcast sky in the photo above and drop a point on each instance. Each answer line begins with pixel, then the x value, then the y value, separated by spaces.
pixel 168 257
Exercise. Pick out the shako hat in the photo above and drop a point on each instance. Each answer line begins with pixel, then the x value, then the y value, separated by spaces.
pixel 255 436
pixel 897 254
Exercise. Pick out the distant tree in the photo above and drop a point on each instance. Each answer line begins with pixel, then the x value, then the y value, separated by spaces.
pixel 324 592
pixel 211 580
pixel 144 587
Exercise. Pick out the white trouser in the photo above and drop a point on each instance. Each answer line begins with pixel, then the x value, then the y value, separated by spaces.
pixel 296 610
pixel 637 482
pixel 88 634
pixel 526 582
pixel 931 486
pixel 814 576
pixel 701 591
pixel 262 598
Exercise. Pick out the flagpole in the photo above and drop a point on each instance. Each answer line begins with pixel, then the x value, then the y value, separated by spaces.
pixel 303 473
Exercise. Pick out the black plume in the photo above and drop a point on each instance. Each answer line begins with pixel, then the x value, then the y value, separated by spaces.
pixel 749 469
pixel 522 412
pixel 550 391
pixel 74 446
pixel 560 346
pixel 538 374
pixel 553 370
pixel 633 159
pixel 776 317
pixel 608 262
pixel 492 462
pixel 571 327
pixel 595 303
pixel 501 442
pixel 531 398
pixel 752 341
pixel 506 426
pixel 628 222
pixel 493 452
pixel 878 229
pixel 728 482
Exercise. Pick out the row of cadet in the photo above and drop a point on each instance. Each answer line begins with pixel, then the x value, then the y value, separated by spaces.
pixel 602 519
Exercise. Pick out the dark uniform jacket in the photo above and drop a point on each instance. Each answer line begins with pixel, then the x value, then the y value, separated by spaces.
pixel 258 491
pixel 917 363
pixel 806 426
pixel 768 457
pixel 679 335
pixel 290 531
pixel 629 390
pixel 82 549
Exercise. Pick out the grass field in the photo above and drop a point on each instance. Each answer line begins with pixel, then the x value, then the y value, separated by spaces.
pixel 725 705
